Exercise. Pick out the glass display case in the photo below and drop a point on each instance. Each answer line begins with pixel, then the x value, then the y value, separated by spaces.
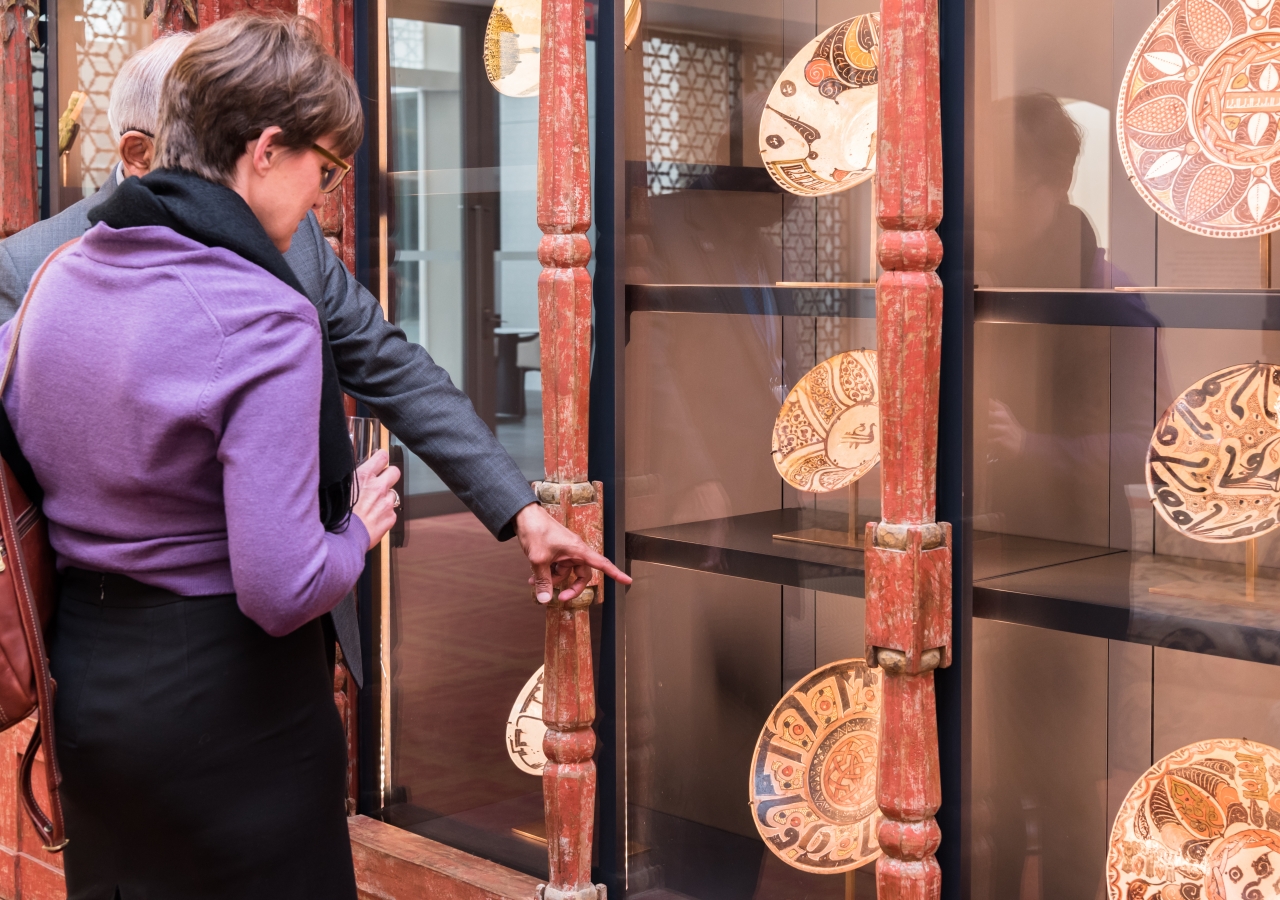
pixel 735 289
pixel 1093 634
pixel 463 637
pixel 1114 621
pixel 93 38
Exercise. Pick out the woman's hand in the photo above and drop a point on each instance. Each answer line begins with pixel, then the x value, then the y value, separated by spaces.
pixel 376 503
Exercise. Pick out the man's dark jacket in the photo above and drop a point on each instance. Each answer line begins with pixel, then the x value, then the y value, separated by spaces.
pixel 376 364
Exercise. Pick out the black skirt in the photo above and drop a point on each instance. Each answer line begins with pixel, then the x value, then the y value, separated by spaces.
pixel 201 757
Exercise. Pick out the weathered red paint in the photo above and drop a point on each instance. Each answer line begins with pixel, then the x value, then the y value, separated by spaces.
pixel 564 317
pixel 908 556
pixel 19 200
pixel 176 15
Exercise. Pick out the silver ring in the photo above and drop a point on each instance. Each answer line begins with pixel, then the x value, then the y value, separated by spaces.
pixel 395 502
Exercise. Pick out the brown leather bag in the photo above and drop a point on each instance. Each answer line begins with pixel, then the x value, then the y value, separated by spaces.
pixel 28 594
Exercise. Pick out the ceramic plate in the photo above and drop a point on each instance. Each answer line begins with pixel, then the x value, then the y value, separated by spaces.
pixel 525 727
pixel 631 14
pixel 827 433
pixel 1213 467
pixel 813 778
pixel 818 131
pixel 1197 114
pixel 513 43
pixel 1201 823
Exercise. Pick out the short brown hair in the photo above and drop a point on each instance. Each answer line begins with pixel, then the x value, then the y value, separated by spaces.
pixel 240 77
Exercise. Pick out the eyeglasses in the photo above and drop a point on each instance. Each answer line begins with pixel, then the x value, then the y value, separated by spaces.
pixel 331 176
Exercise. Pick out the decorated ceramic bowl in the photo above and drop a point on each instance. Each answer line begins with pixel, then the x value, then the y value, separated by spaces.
pixel 1213 466
pixel 827 434
pixel 513 43
pixel 813 776
pixel 1201 823
pixel 818 131
pixel 525 727
pixel 1197 116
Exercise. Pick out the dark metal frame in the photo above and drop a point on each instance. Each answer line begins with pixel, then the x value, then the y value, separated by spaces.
pixel 955 433
pixel 606 446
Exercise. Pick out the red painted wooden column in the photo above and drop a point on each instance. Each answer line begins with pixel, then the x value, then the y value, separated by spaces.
pixel 908 557
pixel 192 15
pixel 19 200
pixel 564 318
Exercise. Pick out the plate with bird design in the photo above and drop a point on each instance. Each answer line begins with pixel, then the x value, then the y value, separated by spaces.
pixel 818 130
pixel 826 435
pixel 1213 465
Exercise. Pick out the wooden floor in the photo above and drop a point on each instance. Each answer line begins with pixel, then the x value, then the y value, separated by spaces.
pixel 467 637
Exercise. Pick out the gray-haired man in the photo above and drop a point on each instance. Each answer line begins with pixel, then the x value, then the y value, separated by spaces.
pixel 376 364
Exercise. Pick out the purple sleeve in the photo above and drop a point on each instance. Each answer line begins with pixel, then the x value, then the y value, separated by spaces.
pixel 265 403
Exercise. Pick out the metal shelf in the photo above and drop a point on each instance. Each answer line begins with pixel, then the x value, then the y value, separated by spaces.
pixel 1136 308
pixel 744 547
pixel 753 300
pixel 1140 308
pixel 1096 591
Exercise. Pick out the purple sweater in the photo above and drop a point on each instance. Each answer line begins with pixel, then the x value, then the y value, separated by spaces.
pixel 168 397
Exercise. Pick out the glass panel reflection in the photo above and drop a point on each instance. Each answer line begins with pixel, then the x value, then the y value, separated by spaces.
pixel 709 656
pixel 464 238
pixel 95 37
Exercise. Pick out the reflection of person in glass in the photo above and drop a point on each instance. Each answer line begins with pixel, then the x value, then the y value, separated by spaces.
pixel 1036 238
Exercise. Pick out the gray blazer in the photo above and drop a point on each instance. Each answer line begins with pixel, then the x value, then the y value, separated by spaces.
pixel 376 363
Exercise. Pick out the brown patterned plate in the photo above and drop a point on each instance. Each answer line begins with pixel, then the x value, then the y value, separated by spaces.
pixel 818 131
pixel 813 777
pixel 1201 823
pixel 513 44
pixel 525 727
pixel 827 433
pixel 1213 466
pixel 1197 116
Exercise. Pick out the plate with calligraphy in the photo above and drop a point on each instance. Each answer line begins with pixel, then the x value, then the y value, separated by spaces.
pixel 525 728
pixel 513 44
pixel 1197 116
pixel 1202 824
pixel 826 435
pixel 818 131
pixel 1213 466
pixel 813 778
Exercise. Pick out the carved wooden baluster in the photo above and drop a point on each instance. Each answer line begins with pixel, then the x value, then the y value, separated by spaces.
pixel 173 16
pixel 908 556
pixel 19 199
pixel 564 317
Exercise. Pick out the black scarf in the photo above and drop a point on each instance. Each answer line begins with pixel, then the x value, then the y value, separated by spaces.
pixel 217 216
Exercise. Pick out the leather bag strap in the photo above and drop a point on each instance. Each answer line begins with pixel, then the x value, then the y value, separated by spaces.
pixel 50 827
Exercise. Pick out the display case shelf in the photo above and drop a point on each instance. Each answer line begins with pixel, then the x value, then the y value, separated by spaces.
pixel 702 177
pixel 1078 588
pixel 756 300
pixel 1111 596
pixel 1136 307
pixel 745 547
pixel 1133 307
